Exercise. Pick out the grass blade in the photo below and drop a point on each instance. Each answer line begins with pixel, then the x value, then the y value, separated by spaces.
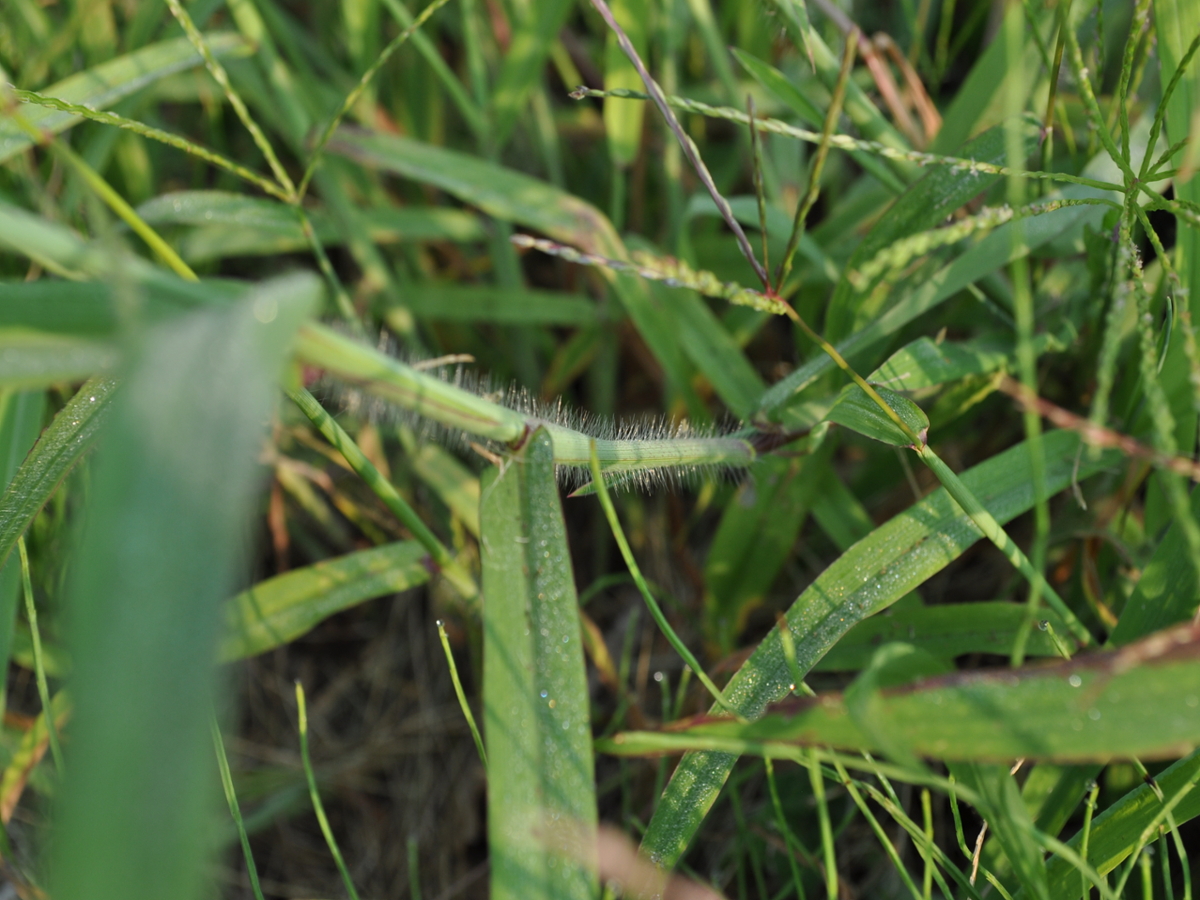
pixel 169 499
pixel 278 610
pixel 877 571
pixel 541 793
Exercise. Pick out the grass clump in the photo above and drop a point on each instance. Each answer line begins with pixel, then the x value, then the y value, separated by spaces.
pixel 813 300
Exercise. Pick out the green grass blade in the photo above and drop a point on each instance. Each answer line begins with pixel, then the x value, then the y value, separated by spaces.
pixel 60 447
pixel 315 795
pixel 944 631
pixel 1133 702
pixel 170 496
pixel 877 571
pixel 1116 832
pixel 111 81
pixel 278 610
pixel 21 414
pixel 541 793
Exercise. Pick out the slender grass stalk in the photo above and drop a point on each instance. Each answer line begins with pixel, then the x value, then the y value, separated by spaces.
pixel 239 107
pixel 846 142
pixel 460 694
pixel 817 164
pixel 756 171
pixel 357 92
pixel 689 147
pixel 235 810
pixel 414 874
pixel 880 834
pixel 345 306
pixel 635 571
pixel 105 117
pixel 1160 115
pixel 105 191
pixel 1014 25
pixel 926 856
pixel 1086 833
pixel 385 491
pixel 39 663
pixel 313 793
pixel 817 780
pixel 790 841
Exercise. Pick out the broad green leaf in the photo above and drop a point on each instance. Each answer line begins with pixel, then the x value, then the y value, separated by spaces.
pixel 1115 832
pixel 447 302
pixel 945 631
pixel 172 492
pixel 1138 701
pixel 228 224
pixel 861 413
pixel 61 446
pixel 756 534
pixel 881 568
pixel 926 362
pixel 280 609
pixel 501 192
pixel 541 788
pixel 104 85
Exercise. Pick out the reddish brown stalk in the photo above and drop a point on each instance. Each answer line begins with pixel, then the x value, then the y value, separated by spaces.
pixel 1096 435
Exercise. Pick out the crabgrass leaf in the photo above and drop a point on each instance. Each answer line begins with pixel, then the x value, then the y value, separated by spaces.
pixel 541 789
pixel 861 413
pixel 281 609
